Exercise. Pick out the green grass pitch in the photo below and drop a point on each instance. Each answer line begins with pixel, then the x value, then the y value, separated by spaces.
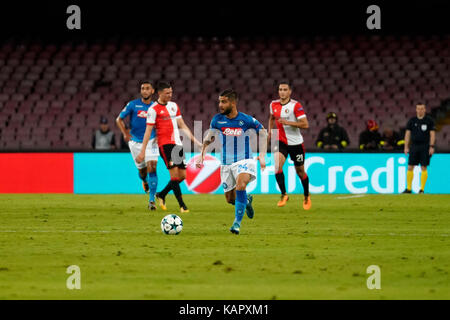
pixel 283 253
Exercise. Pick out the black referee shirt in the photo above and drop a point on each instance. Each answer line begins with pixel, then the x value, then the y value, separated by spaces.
pixel 420 129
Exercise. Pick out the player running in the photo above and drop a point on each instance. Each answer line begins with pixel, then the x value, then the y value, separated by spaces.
pixel 289 118
pixel 238 167
pixel 165 116
pixel 136 110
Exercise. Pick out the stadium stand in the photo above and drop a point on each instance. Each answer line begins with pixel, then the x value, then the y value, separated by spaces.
pixel 52 96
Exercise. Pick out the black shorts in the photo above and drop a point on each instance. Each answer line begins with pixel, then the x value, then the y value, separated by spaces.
pixel 419 154
pixel 173 156
pixel 296 152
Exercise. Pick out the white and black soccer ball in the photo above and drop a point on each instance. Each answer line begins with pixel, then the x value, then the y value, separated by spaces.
pixel 171 224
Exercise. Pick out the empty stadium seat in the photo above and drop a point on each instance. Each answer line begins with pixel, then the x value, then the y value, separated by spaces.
pixel 65 88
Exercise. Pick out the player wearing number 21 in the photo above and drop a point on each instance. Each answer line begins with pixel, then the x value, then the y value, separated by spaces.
pixel 289 117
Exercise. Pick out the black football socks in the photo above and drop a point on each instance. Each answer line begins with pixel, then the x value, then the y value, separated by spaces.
pixel 305 183
pixel 280 180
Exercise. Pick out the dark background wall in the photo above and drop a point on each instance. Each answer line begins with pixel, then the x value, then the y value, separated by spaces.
pixel 47 19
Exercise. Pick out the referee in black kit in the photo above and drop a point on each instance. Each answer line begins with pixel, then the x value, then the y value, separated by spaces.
pixel 420 134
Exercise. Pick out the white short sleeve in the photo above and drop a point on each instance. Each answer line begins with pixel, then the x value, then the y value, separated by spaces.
pixel 151 116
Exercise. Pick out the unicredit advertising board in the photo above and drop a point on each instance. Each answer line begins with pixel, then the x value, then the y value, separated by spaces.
pixel 328 173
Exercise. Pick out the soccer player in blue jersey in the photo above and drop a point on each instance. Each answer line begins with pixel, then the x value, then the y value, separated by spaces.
pixel 136 110
pixel 236 129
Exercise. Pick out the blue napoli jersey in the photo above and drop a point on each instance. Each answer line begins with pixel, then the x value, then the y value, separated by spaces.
pixel 137 111
pixel 235 134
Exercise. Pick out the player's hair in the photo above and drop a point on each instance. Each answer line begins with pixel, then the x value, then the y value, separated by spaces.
pixel 161 85
pixel 230 94
pixel 284 82
pixel 146 82
pixel 421 103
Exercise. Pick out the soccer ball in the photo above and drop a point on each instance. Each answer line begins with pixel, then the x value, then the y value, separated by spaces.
pixel 171 224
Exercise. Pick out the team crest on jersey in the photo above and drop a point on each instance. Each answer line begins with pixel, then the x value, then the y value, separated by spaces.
pixel 142 114
pixel 241 123
pixel 232 131
pixel 286 110
pixel 424 127
pixel 173 109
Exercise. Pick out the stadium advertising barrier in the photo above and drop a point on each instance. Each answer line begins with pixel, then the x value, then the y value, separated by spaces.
pixel 36 172
pixel 328 172
pixel 110 173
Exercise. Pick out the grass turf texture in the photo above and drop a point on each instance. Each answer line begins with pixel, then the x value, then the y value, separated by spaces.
pixel 283 253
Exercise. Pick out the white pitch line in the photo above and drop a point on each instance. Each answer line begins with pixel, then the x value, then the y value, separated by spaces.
pixel 74 231
pixel 354 196
pixel 346 234
pixel 400 235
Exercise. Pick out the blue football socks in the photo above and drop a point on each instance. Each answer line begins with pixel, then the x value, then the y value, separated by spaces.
pixel 240 204
pixel 153 182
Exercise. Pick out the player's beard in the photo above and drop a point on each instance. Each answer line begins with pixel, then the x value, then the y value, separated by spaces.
pixel 227 111
pixel 146 98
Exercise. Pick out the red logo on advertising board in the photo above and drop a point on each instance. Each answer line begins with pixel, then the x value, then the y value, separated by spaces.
pixel 205 179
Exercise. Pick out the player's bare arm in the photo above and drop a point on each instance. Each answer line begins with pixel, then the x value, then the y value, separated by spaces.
pixel 182 125
pixel 301 123
pixel 121 125
pixel 206 142
pixel 432 141
pixel 147 135
pixel 407 140
pixel 262 148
